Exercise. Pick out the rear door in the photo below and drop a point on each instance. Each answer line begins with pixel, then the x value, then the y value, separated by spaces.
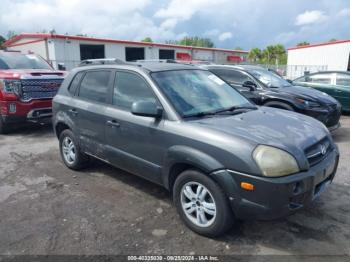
pixel 133 141
pixel 89 110
pixel 342 90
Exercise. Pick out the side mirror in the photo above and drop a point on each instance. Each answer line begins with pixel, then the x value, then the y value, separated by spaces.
pixel 289 81
pixel 249 84
pixel 146 108
pixel 61 66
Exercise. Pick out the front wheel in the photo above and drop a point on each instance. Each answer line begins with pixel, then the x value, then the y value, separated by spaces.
pixel 202 204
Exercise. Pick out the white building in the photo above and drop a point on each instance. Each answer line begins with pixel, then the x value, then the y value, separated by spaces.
pixel 70 50
pixel 319 57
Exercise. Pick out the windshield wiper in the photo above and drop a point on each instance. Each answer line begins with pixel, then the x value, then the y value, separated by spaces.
pixel 212 113
pixel 200 114
pixel 235 108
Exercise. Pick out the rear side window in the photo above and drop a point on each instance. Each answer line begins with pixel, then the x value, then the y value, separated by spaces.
pixel 130 88
pixel 94 86
pixel 75 82
pixel 231 76
pixel 343 80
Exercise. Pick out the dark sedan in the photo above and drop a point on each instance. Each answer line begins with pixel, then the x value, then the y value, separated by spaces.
pixel 334 83
pixel 266 88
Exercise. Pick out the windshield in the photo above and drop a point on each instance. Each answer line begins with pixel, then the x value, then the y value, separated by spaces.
pixel 268 78
pixel 197 91
pixel 20 61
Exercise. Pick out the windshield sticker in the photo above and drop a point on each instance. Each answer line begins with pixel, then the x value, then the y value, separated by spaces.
pixel 216 79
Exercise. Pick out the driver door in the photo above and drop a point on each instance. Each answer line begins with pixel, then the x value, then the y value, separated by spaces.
pixel 236 79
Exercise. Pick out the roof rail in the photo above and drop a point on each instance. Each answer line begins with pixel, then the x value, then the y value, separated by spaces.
pixel 102 61
pixel 155 61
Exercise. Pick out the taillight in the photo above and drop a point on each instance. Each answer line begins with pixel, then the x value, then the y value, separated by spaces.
pixel 10 86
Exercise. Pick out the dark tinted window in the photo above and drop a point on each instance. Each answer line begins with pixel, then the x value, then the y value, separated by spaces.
pixel 231 76
pixel 343 80
pixel 130 88
pixel 94 86
pixel 75 82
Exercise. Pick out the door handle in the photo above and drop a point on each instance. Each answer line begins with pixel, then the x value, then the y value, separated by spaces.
pixel 113 123
pixel 73 111
pixel 338 91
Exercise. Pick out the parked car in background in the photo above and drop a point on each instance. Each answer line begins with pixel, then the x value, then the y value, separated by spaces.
pixel 182 127
pixel 334 83
pixel 27 85
pixel 268 89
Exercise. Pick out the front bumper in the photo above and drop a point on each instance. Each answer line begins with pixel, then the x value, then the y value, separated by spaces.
pixel 16 111
pixel 277 197
pixel 329 115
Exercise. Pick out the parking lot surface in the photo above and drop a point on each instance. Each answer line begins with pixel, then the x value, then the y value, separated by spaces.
pixel 45 208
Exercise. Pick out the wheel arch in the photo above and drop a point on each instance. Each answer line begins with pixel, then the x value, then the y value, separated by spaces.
pixel 181 158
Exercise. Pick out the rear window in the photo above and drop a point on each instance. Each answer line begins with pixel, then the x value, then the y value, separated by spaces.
pixel 343 80
pixel 12 60
pixel 94 86
pixel 74 84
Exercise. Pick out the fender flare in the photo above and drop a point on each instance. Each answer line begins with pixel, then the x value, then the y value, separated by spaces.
pixel 180 154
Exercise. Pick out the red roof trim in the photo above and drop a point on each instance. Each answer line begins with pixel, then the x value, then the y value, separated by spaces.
pixel 320 44
pixel 29 42
pixel 9 42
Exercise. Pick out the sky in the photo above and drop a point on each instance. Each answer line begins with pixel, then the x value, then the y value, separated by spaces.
pixel 229 23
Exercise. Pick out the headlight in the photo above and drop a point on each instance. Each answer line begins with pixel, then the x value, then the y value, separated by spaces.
pixel 274 162
pixel 10 86
pixel 308 103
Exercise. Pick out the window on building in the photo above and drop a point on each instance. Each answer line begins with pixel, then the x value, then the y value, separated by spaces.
pixel 130 88
pixel 94 86
pixel 166 54
pixel 91 51
pixel 134 53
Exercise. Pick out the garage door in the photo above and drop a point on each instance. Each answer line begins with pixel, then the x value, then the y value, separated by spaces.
pixel 134 53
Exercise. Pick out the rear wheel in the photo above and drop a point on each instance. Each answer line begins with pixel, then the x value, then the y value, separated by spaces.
pixel 202 204
pixel 279 105
pixel 70 151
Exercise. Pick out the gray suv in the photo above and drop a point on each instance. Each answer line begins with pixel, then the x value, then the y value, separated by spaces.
pixel 221 157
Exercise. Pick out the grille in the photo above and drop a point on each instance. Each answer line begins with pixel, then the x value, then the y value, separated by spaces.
pixel 39 88
pixel 317 152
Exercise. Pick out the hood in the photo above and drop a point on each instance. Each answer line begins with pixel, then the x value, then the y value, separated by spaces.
pixel 19 73
pixel 307 93
pixel 283 129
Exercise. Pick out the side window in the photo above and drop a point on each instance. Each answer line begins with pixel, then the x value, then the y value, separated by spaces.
pixel 75 82
pixel 301 80
pixel 231 76
pixel 94 86
pixel 325 79
pixel 129 88
pixel 343 80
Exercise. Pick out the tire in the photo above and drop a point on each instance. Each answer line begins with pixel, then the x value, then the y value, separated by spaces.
pixel 4 128
pixel 279 105
pixel 218 221
pixel 70 151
